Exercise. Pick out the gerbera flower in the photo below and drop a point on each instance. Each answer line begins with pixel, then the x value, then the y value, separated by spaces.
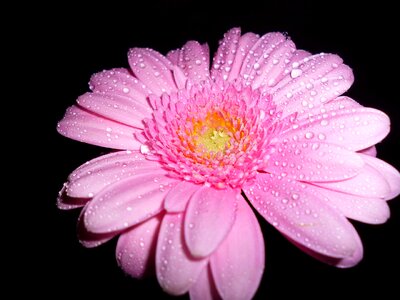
pixel 265 126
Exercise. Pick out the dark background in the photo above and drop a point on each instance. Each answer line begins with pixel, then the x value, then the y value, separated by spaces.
pixel 71 42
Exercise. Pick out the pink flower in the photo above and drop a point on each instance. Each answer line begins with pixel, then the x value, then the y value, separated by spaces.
pixel 265 126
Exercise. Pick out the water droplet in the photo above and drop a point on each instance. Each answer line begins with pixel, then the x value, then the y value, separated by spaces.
pixel 125 90
pixel 275 61
pixel 144 149
pixel 295 196
pixel 322 136
pixel 198 62
pixel 324 122
pixel 309 135
pixel 296 73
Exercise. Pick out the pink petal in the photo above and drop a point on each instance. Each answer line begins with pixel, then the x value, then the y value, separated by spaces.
pixel 127 202
pixel 178 197
pixel 84 126
pixel 225 55
pixel 367 210
pixel 209 218
pixel 117 108
pixel 368 183
pixel 89 179
pixel 66 202
pixel 120 82
pixel 313 161
pixel 346 262
pixel 204 288
pixel 316 80
pixel 194 59
pixel 173 56
pixel 371 151
pixel 238 264
pixel 299 212
pixel 89 239
pixel 153 69
pixel 136 248
pixel 265 63
pixel 390 174
pixel 231 52
pixel 353 128
pixel 176 269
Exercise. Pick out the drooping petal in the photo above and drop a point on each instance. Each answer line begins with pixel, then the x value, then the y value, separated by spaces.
pixel 90 178
pixel 117 108
pixel 120 82
pixel 66 202
pixel 363 209
pixel 313 161
pixel 194 59
pixel 153 69
pixel 176 269
pixel 136 248
pixel 238 264
pixel 299 212
pixel 209 218
pixel 86 127
pixel 390 174
pixel 127 202
pixel 353 128
pixel 90 239
pixel 316 80
pixel 178 197
pixel 204 287
pixel 367 183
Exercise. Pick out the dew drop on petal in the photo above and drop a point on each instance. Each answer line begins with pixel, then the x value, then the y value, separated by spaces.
pixel 309 135
pixel 296 73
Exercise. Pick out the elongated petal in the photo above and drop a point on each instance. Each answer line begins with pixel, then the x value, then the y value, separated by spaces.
pixel 314 161
pixel 317 80
pixel 238 264
pixel 90 178
pixel 86 127
pixel 204 287
pixel 363 209
pixel 136 248
pixel 194 59
pixel 267 60
pixel 209 218
pixel 299 212
pixel 390 174
pixel 127 202
pixel 66 202
pixel 153 69
pixel 117 108
pixel 176 269
pixel 368 183
pixel 226 54
pixel 353 128
pixel 120 82
pixel 178 197
pixel 90 239
pixel 346 262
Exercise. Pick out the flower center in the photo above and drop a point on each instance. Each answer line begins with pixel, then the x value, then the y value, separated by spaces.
pixel 214 133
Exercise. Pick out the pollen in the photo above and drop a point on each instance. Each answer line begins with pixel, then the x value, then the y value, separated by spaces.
pixel 213 134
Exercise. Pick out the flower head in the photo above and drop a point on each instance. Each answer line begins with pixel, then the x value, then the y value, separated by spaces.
pixel 266 126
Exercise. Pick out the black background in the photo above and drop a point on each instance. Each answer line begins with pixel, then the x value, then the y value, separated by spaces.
pixel 71 42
